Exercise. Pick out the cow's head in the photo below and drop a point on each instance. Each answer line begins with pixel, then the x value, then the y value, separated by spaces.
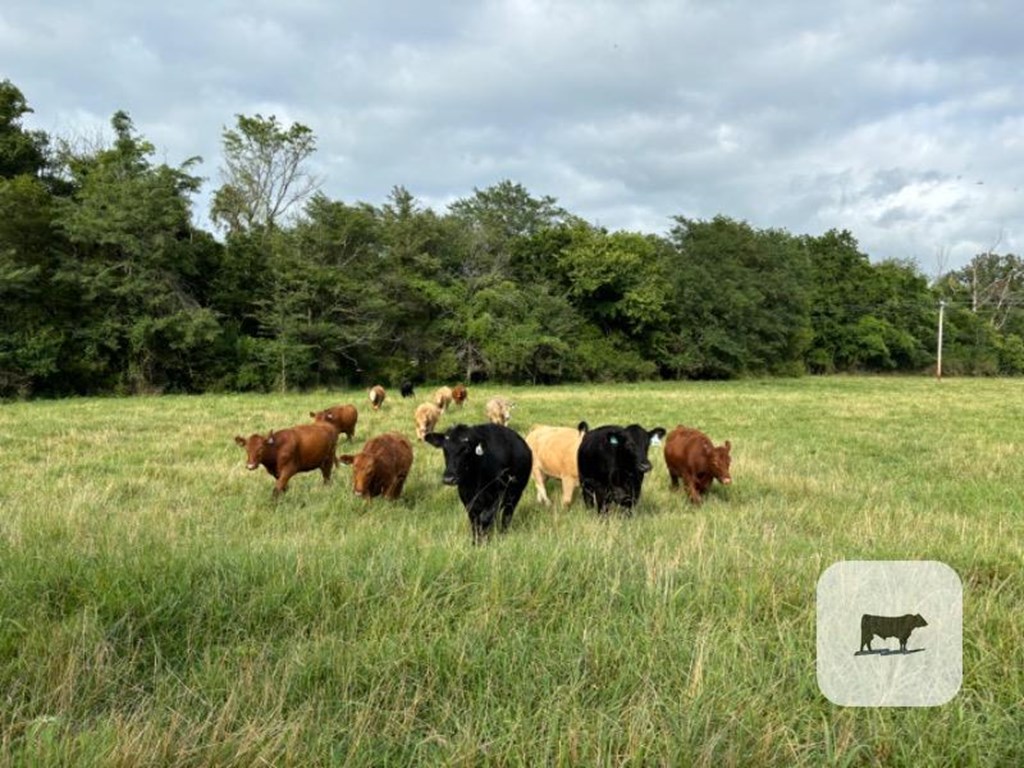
pixel 719 459
pixel 462 452
pixel 919 620
pixel 637 441
pixel 255 448
pixel 362 471
pixel 326 415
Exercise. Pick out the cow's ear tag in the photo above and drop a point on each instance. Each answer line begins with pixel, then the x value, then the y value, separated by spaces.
pixel 655 440
pixel 479 449
pixel 270 441
pixel 613 440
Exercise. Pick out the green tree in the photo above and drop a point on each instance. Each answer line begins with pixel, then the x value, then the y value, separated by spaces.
pixel 21 151
pixel 740 299
pixel 132 254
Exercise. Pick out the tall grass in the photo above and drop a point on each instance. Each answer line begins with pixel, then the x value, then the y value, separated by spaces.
pixel 157 607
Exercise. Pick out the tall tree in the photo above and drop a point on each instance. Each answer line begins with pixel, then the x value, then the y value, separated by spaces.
pixel 742 297
pixel 21 151
pixel 131 260
pixel 264 173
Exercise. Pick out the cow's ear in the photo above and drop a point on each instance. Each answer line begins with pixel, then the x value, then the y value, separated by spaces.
pixel 312 414
pixel 728 446
pixel 656 435
pixel 582 427
pixel 270 438
pixel 436 439
pixel 348 458
pixel 479 451
pixel 240 440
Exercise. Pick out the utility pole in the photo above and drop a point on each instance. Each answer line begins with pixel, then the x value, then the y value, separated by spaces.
pixel 938 356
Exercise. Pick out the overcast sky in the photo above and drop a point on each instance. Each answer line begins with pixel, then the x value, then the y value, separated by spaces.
pixel 900 121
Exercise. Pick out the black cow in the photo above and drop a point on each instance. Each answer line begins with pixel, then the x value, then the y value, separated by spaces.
pixel 490 464
pixel 612 464
pixel 406 389
pixel 889 626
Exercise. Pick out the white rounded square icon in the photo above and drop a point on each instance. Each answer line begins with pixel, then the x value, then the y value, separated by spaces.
pixel 889 633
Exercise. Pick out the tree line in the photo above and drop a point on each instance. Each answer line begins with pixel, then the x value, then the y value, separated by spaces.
pixel 107 284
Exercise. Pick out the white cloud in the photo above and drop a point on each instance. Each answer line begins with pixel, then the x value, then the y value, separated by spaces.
pixel 876 117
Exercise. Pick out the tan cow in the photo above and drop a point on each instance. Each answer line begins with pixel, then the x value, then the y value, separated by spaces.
pixel 554 455
pixel 377 395
pixel 427 415
pixel 499 410
pixel 443 397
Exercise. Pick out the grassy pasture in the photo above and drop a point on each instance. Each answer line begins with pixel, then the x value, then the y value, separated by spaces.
pixel 157 608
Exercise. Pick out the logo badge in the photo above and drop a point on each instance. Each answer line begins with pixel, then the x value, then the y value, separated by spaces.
pixel 889 633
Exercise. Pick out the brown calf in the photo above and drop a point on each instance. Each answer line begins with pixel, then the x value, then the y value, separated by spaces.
pixel 381 467
pixel 342 417
pixel 690 455
pixel 459 394
pixel 288 452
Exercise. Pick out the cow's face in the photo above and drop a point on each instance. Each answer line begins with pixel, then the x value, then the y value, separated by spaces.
pixel 363 466
pixel 919 620
pixel 461 452
pixel 636 442
pixel 720 460
pixel 255 447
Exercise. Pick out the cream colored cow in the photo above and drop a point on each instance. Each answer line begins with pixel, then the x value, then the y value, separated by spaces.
pixel 427 415
pixel 554 455
pixel 499 411
pixel 443 397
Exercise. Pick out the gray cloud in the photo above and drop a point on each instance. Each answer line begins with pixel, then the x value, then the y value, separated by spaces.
pixel 877 117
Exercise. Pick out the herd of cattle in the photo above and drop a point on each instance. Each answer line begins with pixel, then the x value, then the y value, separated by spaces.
pixel 490 463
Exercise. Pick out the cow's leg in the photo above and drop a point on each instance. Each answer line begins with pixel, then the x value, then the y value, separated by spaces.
pixel 479 533
pixel 396 488
pixel 674 478
pixel 538 480
pixel 282 482
pixel 568 488
pixel 326 467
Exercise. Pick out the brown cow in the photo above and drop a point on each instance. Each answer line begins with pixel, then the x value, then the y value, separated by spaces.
pixel 288 452
pixel 499 411
pixel 381 467
pixel 377 395
pixel 443 397
pixel 459 394
pixel 342 417
pixel 690 454
pixel 427 415
pixel 554 455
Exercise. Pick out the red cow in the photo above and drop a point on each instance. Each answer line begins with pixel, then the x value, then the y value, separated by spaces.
pixel 288 452
pixel 690 455
pixel 459 394
pixel 382 466
pixel 342 417
pixel 376 394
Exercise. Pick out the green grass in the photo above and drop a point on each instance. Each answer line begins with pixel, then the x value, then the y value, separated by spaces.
pixel 156 607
